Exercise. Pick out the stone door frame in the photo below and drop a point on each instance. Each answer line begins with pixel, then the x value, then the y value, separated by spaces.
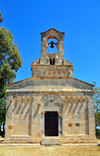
pixel 60 123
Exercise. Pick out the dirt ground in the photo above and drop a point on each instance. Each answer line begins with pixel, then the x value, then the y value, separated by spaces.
pixel 50 150
pixel 64 150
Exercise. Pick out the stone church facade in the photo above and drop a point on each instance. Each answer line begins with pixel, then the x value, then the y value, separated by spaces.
pixel 51 106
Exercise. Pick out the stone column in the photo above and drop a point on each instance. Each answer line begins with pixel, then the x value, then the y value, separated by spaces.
pixel 42 123
pixel 60 124
pixel 91 116
pixel 63 119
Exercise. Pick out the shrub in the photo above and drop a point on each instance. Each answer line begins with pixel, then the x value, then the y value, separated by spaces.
pixel 98 132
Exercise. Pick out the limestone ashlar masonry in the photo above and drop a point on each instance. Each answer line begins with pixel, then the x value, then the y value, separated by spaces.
pixel 51 107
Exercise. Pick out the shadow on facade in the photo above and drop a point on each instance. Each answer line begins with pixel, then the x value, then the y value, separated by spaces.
pixel 75 108
pixel 36 112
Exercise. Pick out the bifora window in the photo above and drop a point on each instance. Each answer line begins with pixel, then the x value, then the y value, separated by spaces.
pixel 52 61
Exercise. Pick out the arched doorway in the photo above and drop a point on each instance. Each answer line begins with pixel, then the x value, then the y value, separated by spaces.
pixel 51 115
pixel 51 124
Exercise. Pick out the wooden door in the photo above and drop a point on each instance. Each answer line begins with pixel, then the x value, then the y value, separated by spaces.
pixel 51 124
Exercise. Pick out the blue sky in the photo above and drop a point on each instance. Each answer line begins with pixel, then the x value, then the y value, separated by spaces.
pixel 79 19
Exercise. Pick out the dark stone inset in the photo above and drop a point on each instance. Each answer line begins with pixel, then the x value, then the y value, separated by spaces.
pixel 52 100
pixel 77 124
pixel 70 124
pixel 10 127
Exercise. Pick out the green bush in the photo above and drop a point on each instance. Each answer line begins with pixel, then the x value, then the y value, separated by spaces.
pixel 97 131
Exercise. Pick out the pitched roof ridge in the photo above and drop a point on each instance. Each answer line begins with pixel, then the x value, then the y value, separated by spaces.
pixel 52 29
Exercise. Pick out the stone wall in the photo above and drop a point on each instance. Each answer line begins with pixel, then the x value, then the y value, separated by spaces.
pixel 76 115
pixel 25 114
pixel 21 112
pixel 52 71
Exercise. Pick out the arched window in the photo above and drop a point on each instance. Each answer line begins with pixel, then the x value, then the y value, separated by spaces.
pixel 52 61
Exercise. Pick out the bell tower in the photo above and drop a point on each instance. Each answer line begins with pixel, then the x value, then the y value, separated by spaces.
pixel 52 64
pixel 52 34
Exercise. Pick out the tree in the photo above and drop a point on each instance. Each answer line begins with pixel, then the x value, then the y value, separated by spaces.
pixel 97 105
pixel 10 62
pixel 1 18
pixel 3 108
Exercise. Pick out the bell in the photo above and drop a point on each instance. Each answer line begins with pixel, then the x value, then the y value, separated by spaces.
pixel 52 46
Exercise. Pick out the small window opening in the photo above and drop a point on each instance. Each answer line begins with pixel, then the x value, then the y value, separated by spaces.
pixel 52 61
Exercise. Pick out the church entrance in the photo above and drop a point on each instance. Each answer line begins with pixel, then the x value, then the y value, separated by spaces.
pixel 51 124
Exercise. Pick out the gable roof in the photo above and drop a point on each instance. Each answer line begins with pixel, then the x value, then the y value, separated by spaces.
pixel 54 30
pixel 59 83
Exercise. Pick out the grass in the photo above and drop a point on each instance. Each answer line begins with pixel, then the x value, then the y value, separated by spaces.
pixel 50 151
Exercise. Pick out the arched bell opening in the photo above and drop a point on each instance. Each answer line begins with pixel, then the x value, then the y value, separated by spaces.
pixel 52 45
pixel 53 37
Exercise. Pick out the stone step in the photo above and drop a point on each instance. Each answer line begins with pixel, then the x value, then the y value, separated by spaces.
pixel 51 141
